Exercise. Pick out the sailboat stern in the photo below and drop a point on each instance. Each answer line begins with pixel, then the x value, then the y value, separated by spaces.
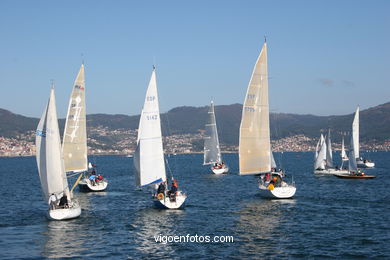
pixel 65 213
pixel 167 203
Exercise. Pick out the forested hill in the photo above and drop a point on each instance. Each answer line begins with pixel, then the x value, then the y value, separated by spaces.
pixel 374 123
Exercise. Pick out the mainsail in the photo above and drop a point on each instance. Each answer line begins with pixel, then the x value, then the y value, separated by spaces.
pixel 149 155
pixel 48 152
pixel 255 146
pixel 329 155
pixel 343 153
pixel 355 134
pixel 352 165
pixel 212 152
pixel 74 144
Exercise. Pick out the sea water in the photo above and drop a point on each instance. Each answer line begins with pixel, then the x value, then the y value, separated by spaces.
pixel 328 217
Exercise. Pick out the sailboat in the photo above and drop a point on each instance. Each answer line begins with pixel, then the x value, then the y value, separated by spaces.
pixel 353 171
pixel 323 163
pixel 255 143
pixel 212 152
pixel 361 163
pixel 344 156
pixel 51 166
pixel 149 154
pixel 74 145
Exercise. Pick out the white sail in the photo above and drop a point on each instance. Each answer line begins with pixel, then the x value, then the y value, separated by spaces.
pixel 149 155
pixel 352 165
pixel 212 152
pixel 317 149
pixel 74 144
pixel 329 155
pixel 273 163
pixel 48 152
pixel 321 158
pixel 355 134
pixel 343 153
pixel 254 144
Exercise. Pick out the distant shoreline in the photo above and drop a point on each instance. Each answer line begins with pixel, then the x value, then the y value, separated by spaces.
pixel 227 152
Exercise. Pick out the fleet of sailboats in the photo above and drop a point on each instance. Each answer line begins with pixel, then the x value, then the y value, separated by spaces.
pixel 212 151
pixel 254 142
pixel 353 171
pixel 149 155
pixel 51 168
pixel 255 155
pixel 323 161
pixel 74 144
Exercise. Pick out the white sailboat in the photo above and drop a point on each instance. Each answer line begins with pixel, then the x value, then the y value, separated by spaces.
pixel 353 171
pixel 74 145
pixel 361 163
pixel 149 155
pixel 255 144
pixel 51 166
pixel 344 156
pixel 323 163
pixel 212 152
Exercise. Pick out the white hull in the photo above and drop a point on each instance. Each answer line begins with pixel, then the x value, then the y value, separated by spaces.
pixel 284 192
pixel 362 164
pixel 86 185
pixel 220 171
pixel 166 203
pixel 67 213
pixel 331 171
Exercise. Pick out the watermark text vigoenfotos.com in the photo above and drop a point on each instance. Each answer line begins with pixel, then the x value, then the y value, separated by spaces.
pixel 164 239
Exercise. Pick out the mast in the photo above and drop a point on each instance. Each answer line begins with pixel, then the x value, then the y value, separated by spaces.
pixel 254 144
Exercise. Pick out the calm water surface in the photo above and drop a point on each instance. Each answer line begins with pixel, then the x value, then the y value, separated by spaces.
pixel 329 217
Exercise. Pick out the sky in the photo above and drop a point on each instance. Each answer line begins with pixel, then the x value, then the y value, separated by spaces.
pixel 324 57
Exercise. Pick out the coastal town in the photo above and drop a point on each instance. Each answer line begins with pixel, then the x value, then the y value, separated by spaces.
pixel 102 141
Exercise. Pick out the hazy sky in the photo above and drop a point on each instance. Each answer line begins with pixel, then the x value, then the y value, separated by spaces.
pixel 324 57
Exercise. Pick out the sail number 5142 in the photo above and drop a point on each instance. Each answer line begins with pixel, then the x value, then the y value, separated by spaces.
pixel 151 117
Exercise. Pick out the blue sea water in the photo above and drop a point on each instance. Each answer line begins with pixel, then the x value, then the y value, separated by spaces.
pixel 328 218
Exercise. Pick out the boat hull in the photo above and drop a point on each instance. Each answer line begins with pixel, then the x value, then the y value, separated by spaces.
pixel 86 185
pixel 66 213
pixel 362 164
pixel 331 171
pixel 284 192
pixel 220 171
pixel 166 203
pixel 354 176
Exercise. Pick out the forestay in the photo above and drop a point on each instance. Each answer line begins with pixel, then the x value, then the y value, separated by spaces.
pixel 149 155
pixel 75 133
pixel 254 143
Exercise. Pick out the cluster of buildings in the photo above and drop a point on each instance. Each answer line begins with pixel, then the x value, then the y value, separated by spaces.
pixel 21 145
pixel 102 141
